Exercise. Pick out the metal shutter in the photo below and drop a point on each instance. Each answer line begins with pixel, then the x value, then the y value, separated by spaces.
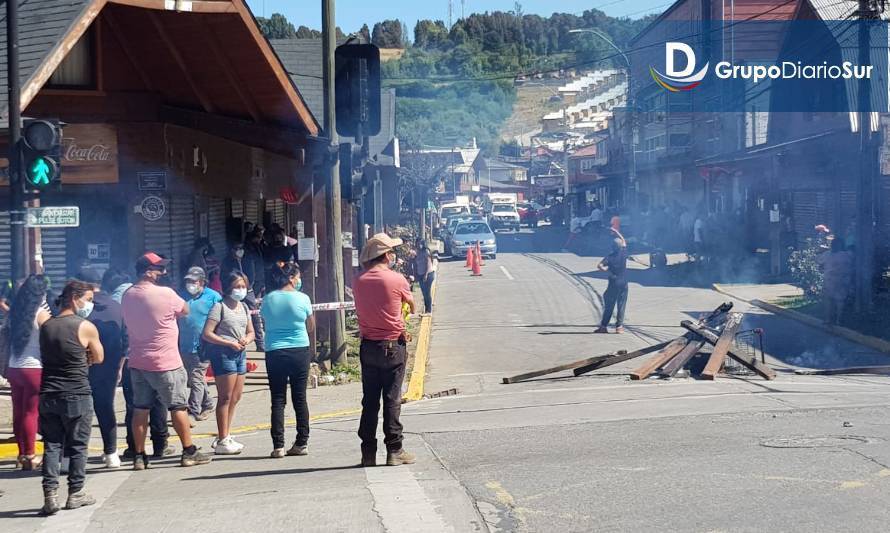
pixel 811 208
pixel 5 247
pixel 157 233
pixel 182 229
pixel 237 208
pixel 278 211
pixel 53 244
pixel 252 211
pixel 217 222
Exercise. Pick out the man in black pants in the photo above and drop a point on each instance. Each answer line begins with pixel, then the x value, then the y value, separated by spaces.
pixel 379 295
pixel 616 293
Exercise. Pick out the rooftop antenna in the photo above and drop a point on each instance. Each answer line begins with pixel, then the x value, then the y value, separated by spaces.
pixel 450 13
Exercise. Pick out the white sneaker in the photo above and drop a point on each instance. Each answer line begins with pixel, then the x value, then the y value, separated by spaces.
pixel 214 442
pixel 236 443
pixel 112 460
pixel 227 446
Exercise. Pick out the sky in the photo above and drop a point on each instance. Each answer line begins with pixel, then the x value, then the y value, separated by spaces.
pixel 351 14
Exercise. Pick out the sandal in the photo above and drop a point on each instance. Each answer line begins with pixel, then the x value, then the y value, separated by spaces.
pixel 32 462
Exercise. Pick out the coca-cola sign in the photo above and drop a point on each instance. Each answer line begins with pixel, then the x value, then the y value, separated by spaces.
pixel 92 153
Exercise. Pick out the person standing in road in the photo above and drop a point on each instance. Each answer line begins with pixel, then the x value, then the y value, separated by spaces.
pixel 227 334
pixel 150 312
pixel 698 237
pixel 616 292
pixel 69 345
pixel 379 295
pixel 201 299
pixel 423 268
pixel 104 377
pixel 20 353
pixel 241 262
pixel 287 313
pixel 837 270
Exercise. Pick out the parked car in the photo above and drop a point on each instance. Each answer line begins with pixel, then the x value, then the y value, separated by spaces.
pixel 504 216
pixel 530 213
pixel 468 233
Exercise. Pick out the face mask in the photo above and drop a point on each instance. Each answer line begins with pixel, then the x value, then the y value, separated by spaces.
pixel 84 311
pixel 239 253
pixel 298 284
pixel 239 294
pixel 192 288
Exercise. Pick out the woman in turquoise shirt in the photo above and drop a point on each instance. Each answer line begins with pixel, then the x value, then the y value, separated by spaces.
pixel 287 313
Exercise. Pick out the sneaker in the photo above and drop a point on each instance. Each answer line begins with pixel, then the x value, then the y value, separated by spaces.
pixel 277 453
pixel 195 457
pixel 111 460
pixel 166 451
pixel 400 457
pixel 236 443
pixel 79 499
pixel 50 502
pixel 601 329
pixel 619 329
pixel 298 450
pixel 227 446
pixel 214 442
pixel 140 461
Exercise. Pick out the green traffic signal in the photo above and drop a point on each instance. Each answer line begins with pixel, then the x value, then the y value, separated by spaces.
pixel 40 172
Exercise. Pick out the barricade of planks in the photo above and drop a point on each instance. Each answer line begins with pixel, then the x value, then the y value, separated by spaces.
pixel 717 329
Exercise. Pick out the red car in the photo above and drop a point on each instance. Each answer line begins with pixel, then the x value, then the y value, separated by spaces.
pixel 530 213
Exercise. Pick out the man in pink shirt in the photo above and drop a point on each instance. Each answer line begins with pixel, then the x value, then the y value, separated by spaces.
pixel 379 295
pixel 150 311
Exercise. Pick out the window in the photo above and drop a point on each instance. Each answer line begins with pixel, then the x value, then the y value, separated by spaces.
pixel 77 70
pixel 587 164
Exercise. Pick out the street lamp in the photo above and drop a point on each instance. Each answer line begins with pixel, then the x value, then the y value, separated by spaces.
pixel 633 141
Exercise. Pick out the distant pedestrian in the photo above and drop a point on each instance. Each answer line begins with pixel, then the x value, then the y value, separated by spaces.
pixel 287 313
pixel 21 356
pixel 616 292
pixel 70 345
pixel 379 294
pixel 150 312
pixel 426 275
pixel 837 281
pixel 253 253
pixel 227 333
pixel 105 377
pixel 204 255
pixel 201 300
pixel 698 237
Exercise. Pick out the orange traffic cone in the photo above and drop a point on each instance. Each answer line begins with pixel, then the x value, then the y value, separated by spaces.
pixel 479 254
pixel 477 265
pixel 469 264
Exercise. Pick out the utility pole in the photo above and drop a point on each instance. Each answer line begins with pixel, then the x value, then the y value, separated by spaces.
pixel 16 193
pixel 867 158
pixel 334 246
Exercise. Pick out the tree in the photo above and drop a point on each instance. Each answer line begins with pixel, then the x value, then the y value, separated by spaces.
pixel 430 35
pixel 307 33
pixel 365 33
pixel 388 34
pixel 277 27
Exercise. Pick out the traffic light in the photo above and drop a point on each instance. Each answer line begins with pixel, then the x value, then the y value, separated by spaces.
pixel 357 88
pixel 41 149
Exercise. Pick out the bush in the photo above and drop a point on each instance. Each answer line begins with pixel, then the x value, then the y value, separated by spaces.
pixel 805 270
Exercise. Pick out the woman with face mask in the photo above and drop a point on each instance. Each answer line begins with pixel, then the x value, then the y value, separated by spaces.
pixel 228 331
pixel 21 362
pixel 287 313
pixel 69 344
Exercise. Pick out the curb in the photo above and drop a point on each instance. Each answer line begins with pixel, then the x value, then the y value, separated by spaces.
pixel 421 355
pixel 866 340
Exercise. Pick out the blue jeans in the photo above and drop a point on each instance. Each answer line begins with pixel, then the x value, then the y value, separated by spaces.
pixel 616 295
pixel 426 287
pixel 65 423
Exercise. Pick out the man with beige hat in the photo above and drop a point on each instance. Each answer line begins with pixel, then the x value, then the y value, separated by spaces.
pixel 379 294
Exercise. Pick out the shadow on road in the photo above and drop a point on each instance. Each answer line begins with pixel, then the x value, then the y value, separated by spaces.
pixel 262 473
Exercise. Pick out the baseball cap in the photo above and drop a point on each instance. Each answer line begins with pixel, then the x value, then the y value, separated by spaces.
pixel 150 260
pixel 378 245
pixel 196 274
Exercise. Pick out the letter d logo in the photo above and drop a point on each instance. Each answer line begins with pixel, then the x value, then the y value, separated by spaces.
pixel 670 51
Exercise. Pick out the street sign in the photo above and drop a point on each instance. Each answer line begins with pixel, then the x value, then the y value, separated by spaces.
pixel 152 181
pixel 52 217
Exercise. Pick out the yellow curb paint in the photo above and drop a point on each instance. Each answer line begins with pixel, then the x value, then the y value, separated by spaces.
pixel 847 485
pixel 10 450
pixel 418 372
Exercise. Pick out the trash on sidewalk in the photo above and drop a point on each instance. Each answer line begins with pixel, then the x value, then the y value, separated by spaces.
pixel 718 329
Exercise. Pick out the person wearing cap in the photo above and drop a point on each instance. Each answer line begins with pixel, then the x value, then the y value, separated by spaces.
pixel 104 377
pixel 201 300
pixel 150 311
pixel 379 294
pixel 616 293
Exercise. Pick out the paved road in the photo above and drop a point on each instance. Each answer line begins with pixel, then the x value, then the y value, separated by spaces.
pixel 599 453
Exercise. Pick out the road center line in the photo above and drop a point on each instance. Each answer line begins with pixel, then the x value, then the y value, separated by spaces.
pixel 506 273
